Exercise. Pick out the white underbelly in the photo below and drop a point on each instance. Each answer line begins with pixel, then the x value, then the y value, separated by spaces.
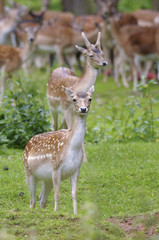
pixel 71 164
pixel 47 48
pixel 44 172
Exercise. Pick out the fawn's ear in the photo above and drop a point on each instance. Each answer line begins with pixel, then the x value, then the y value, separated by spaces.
pixel 91 90
pixel 68 91
pixel 81 49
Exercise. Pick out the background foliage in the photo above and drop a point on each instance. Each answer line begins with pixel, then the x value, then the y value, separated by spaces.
pixel 124 5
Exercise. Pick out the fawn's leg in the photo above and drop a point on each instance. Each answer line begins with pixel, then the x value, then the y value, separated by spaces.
pixel 135 77
pixel 74 179
pixel 68 117
pixel 54 114
pixel 116 70
pixel 84 153
pixel 123 72
pixel 32 181
pixel 63 125
pixel 3 79
pixel 45 192
pixel 56 181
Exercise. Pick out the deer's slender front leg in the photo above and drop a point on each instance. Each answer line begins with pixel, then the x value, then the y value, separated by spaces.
pixel 32 187
pixel 135 79
pixel 68 118
pixel 54 114
pixel 56 181
pixel 74 179
pixel 45 192
pixel 84 153
pixel 3 79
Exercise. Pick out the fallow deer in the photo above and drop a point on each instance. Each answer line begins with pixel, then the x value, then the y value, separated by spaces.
pixel 107 9
pixel 129 23
pixel 62 76
pixel 55 156
pixel 137 43
pixel 11 58
pixel 9 22
pixel 60 36
pixel 66 32
pixel 145 17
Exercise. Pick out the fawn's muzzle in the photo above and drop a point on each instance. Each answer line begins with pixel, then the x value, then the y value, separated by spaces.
pixel 83 109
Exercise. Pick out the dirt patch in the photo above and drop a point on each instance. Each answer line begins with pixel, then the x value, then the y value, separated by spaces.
pixel 147 225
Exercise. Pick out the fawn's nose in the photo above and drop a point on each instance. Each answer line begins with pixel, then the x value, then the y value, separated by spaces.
pixel 105 63
pixel 83 109
pixel 31 39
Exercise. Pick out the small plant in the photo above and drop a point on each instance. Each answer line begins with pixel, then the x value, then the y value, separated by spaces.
pixel 133 120
pixel 21 117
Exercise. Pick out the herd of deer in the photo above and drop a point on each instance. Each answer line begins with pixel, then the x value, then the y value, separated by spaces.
pixel 134 38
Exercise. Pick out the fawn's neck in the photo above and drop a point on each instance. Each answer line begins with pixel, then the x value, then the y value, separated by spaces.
pixel 26 51
pixel 88 79
pixel 78 131
pixel 115 28
pixel 5 29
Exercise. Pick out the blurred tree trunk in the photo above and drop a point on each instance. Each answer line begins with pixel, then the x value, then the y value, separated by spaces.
pixel 2 4
pixel 78 7
pixel 155 4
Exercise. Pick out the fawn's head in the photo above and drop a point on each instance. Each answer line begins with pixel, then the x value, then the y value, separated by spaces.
pixel 93 52
pixel 31 32
pixel 81 100
pixel 108 8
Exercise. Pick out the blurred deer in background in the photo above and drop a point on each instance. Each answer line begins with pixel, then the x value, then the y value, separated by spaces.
pixel 11 58
pixel 137 43
pixel 9 22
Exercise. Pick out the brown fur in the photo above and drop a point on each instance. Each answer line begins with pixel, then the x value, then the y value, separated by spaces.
pixel 136 40
pixel 145 15
pixel 144 42
pixel 63 77
pixel 9 56
pixel 127 19
pixel 46 143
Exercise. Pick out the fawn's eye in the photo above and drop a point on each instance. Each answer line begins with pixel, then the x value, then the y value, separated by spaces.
pixel 90 99
pixel 74 100
pixel 91 55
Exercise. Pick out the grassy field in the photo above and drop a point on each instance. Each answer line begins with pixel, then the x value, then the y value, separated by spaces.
pixel 120 179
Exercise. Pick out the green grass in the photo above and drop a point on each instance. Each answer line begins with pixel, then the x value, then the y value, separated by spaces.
pixel 120 178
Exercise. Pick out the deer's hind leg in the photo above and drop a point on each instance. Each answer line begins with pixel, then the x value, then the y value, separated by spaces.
pixel 32 183
pixel 47 187
pixel 68 117
pixel 54 114
pixel 56 177
pixel 3 78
